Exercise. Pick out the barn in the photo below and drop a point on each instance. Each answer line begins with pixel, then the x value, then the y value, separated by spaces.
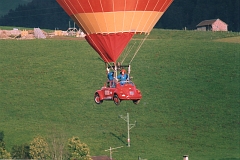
pixel 212 25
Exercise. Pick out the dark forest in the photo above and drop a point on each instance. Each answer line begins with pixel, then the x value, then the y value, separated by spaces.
pixel 181 14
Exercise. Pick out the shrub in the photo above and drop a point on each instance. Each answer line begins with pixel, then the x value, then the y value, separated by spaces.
pixel 20 152
pixel 78 150
pixel 3 152
pixel 38 148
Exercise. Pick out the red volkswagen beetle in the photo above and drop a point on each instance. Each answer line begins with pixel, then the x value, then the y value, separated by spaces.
pixel 117 92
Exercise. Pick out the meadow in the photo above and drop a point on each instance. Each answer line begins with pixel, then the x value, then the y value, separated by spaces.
pixel 189 81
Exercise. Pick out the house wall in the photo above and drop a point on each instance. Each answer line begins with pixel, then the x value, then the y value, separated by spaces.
pixel 203 28
pixel 219 25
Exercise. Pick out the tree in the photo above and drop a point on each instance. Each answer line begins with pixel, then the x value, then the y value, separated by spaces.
pixel 20 152
pixel 181 13
pixel 78 150
pixel 57 146
pixel 2 144
pixel 3 152
pixel 38 148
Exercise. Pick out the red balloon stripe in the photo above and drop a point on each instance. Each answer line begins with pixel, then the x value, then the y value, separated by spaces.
pixel 90 6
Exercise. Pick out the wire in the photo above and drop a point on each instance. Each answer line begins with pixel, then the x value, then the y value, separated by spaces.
pixel 138 48
pixel 127 53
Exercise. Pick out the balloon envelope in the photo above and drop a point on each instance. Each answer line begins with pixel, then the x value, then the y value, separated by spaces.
pixel 110 24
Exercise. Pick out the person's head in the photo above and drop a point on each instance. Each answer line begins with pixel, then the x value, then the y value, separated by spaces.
pixel 123 71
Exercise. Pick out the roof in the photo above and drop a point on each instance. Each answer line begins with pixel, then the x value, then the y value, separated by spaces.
pixel 208 22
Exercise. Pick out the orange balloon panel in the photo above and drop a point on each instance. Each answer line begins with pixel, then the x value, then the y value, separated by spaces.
pixel 110 24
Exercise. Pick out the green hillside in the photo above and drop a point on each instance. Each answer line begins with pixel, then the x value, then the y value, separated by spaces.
pixel 190 105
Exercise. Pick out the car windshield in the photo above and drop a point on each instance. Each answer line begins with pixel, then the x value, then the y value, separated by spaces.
pixel 112 84
pixel 126 82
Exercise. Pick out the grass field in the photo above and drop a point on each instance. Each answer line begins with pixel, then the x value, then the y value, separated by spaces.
pixel 190 105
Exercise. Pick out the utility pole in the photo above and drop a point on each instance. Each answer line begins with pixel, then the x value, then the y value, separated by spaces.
pixel 110 149
pixel 129 126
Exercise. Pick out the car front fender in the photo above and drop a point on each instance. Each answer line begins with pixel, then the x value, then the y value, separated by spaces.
pixel 101 94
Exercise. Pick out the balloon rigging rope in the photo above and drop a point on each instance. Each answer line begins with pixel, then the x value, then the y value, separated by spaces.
pixel 141 43
pixel 127 53
pixel 151 22
pixel 124 15
pixel 139 48
pixel 103 17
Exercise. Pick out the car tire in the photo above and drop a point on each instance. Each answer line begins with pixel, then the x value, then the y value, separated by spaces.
pixel 116 99
pixel 136 101
pixel 97 99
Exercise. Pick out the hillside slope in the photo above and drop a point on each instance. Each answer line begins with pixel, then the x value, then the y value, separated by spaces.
pixel 190 105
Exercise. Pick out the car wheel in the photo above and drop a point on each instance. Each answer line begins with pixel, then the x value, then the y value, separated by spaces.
pixel 116 99
pixel 97 98
pixel 136 101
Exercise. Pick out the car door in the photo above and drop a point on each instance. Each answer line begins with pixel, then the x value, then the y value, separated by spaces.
pixel 108 92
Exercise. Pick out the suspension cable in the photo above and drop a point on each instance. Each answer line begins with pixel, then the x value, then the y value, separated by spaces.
pixel 139 47
pixel 127 53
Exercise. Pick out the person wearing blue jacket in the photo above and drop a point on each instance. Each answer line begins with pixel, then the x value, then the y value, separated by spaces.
pixel 110 77
pixel 122 77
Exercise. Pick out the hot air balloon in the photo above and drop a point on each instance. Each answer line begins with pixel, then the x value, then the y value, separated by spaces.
pixel 109 25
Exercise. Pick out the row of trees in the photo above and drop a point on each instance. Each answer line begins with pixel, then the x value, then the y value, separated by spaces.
pixel 39 148
pixel 182 13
